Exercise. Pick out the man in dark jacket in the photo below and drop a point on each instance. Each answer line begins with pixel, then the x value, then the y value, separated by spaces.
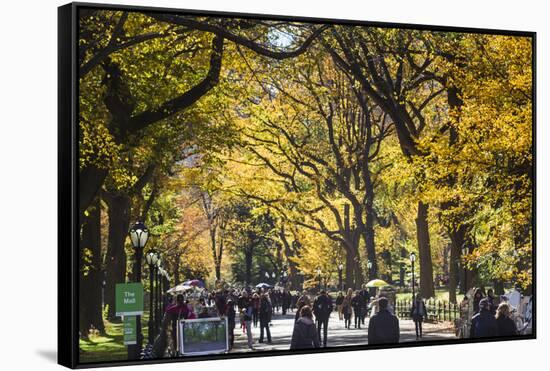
pixel 484 323
pixel 365 302
pixel 230 314
pixel 322 307
pixel 304 334
pixel 265 314
pixel 383 326
pixel 358 303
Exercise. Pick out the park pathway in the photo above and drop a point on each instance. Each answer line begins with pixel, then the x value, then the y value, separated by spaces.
pixel 338 335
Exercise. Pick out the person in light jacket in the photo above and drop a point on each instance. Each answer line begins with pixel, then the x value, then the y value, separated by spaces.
pixel 304 334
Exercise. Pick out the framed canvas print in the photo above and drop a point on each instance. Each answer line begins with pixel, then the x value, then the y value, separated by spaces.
pixel 241 185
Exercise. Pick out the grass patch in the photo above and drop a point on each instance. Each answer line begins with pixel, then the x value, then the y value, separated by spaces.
pixel 108 347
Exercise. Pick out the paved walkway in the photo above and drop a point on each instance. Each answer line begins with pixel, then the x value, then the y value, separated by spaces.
pixel 338 335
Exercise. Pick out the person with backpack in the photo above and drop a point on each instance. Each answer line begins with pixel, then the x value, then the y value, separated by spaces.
pixel 484 323
pixel 322 307
pixel 418 314
pixel 265 315
pixel 383 326
pixel 304 334
pixel 175 312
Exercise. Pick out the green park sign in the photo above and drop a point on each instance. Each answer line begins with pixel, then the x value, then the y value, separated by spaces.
pixel 130 333
pixel 129 299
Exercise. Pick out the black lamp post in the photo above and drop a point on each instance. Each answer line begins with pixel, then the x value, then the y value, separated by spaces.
pixel 413 259
pixel 319 277
pixel 151 257
pixel 340 281
pixel 465 252
pixel 139 234
pixel 165 287
pixel 157 295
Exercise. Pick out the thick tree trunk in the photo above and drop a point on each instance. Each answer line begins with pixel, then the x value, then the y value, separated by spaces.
pixel 248 261
pixel 454 263
pixel 354 276
pixel 115 259
pixel 424 252
pixel 177 266
pixel 90 180
pixel 368 233
pixel 90 309
pixel 403 266
pixel 499 287
pixel 358 274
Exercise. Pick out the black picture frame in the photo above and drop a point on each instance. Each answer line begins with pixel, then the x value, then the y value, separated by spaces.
pixel 68 182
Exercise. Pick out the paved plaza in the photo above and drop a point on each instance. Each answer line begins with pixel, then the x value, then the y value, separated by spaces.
pixel 338 335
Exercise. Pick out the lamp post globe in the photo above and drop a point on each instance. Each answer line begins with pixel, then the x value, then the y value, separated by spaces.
pixel 139 235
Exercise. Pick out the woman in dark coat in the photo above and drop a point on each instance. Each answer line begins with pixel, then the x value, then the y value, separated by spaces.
pixel 418 314
pixel 304 335
pixel 505 324
pixel 346 308
pixel 478 295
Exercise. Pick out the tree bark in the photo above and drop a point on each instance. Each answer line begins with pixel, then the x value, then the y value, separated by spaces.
pixel 454 263
pixel 248 260
pixel 368 233
pixel 424 252
pixel 115 259
pixel 90 309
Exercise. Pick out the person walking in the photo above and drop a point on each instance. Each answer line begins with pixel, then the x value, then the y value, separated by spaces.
pixel 339 301
pixel 265 315
pixel 230 314
pixel 322 307
pixel 505 324
pixel 484 323
pixel 304 334
pixel 357 304
pixel 383 326
pixel 418 314
pixel 365 302
pixel 255 308
pixel 347 309
pixel 247 318
pixel 303 300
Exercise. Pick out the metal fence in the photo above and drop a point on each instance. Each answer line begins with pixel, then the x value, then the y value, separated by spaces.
pixel 437 310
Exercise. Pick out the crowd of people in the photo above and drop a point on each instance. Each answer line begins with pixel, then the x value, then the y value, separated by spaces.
pixel 492 315
pixel 254 308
